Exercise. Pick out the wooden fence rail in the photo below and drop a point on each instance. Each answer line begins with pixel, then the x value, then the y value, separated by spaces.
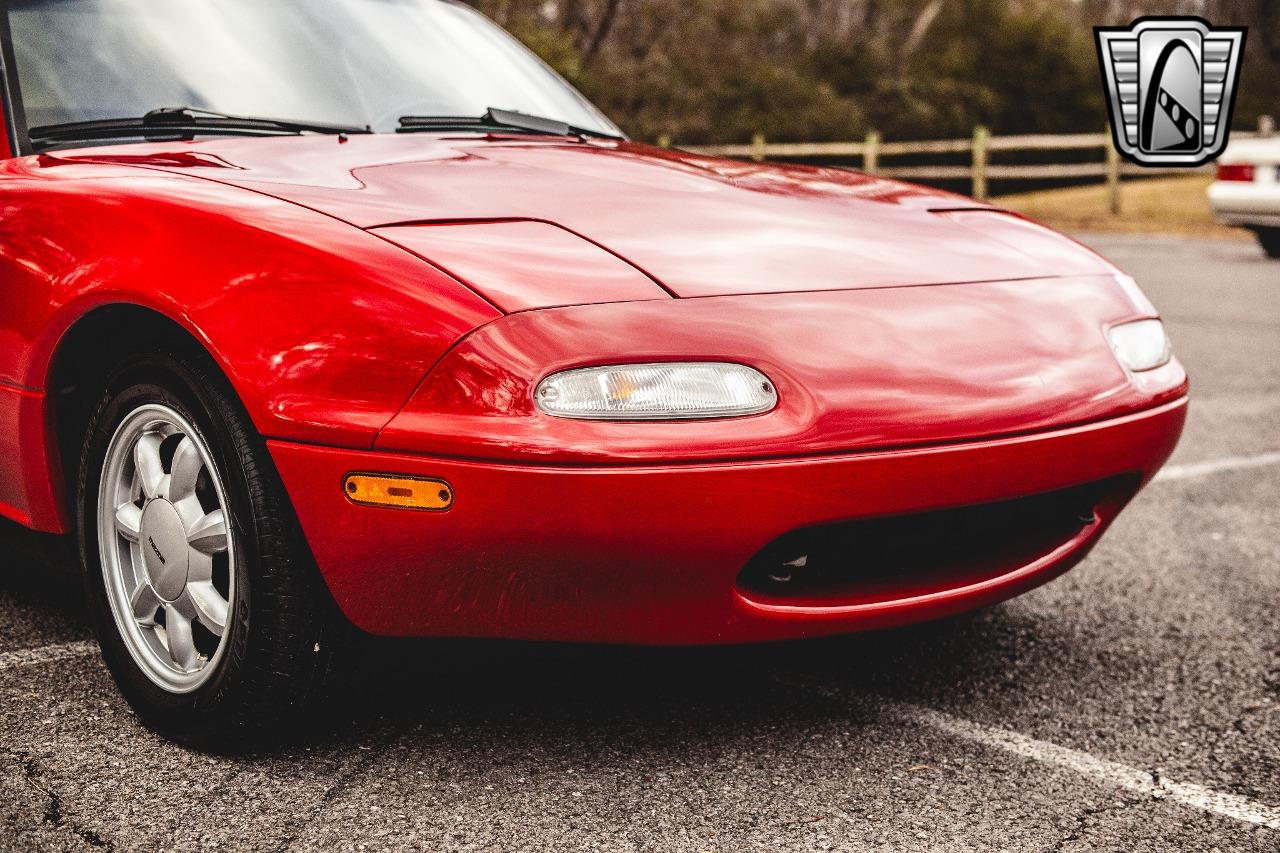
pixel 979 147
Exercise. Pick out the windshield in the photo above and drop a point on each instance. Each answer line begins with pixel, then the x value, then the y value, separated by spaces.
pixel 349 62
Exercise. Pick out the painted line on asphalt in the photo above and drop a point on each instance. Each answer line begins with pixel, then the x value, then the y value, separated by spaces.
pixel 1217 466
pixel 1098 769
pixel 47 654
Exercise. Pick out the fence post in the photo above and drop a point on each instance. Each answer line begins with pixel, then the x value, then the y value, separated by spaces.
pixel 871 153
pixel 757 147
pixel 1266 126
pixel 1113 173
pixel 981 137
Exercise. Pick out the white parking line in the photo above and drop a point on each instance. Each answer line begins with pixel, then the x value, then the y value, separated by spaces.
pixel 46 654
pixel 1215 466
pixel 1099 769
pixel 1108 772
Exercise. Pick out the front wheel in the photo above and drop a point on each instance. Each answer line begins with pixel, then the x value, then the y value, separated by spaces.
pixel 210 617
pixel 1270 240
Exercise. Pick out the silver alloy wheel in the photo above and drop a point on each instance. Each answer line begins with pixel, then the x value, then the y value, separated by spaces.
pixel 168 559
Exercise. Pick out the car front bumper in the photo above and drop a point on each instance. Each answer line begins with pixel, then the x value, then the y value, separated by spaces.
pixel 656 554
pixel 1255 204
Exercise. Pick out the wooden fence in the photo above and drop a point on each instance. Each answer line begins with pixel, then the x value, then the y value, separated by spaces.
pixel 979 148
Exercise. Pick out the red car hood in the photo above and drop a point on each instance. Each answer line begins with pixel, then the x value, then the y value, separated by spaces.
pixel 698 226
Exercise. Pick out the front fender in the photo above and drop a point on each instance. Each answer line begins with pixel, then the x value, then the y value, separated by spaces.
pixel 324 330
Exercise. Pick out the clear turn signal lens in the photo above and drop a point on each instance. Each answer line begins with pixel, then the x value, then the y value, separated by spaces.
pixel 657 392
pixel 1142 345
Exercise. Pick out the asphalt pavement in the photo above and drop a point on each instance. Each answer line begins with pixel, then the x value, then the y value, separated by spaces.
pixel 1132 705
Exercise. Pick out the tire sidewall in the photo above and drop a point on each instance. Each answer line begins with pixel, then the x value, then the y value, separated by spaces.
pixel 1270 240
pixel 156 378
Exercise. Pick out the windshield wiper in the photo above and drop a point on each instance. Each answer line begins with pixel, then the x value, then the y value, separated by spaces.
pixel 180 123
pixel 499 119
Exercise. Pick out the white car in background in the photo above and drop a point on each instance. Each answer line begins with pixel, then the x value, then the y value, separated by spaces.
pixel 1247 190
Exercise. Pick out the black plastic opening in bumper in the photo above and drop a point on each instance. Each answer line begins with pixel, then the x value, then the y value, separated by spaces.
pixel 896 557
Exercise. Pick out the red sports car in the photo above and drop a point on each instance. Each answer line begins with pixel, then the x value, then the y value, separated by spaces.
pixel 352 312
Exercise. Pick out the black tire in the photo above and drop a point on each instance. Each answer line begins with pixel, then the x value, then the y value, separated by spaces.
pixel 1270 240
pixel 284 635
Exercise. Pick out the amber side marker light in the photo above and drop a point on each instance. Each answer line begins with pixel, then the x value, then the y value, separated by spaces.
pixel 417 493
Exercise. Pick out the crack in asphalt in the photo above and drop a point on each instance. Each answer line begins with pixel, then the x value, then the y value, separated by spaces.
pixel 350 773
pixel 1081 819
pixel 1099 770
pixel 54 813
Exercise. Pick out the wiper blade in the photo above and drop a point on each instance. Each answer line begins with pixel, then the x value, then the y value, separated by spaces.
pixel 499 119
pixel 181 123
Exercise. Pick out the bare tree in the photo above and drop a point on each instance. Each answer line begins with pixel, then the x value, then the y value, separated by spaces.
pixel 602 30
